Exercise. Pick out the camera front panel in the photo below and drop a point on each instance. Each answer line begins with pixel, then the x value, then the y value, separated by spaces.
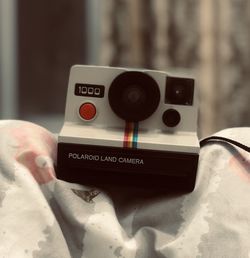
pixel 110 97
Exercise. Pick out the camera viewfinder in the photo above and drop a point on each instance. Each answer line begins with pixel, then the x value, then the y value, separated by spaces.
pixel 179 91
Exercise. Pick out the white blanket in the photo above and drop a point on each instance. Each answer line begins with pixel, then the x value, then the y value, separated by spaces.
pixel 41 216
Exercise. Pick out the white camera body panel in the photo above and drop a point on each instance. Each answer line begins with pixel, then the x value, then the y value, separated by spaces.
pixel 108 129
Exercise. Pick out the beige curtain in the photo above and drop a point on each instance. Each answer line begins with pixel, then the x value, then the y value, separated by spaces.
pixel 209 37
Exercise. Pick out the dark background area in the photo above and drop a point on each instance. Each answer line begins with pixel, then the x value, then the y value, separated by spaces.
pixel 51 39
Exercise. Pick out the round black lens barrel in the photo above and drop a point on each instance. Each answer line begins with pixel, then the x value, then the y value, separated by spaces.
pixel 134 96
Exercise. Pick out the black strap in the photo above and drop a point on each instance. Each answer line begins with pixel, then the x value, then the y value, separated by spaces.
pixel 214 139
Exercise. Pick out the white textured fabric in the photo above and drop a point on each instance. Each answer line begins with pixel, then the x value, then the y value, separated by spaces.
pixel 41 216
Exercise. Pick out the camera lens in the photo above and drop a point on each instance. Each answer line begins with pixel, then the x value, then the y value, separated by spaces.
pixel 134 96
pixel 179 91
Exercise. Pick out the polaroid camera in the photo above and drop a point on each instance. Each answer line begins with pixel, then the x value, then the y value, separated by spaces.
pixel 129 127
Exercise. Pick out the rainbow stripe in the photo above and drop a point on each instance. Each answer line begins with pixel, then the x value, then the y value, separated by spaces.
pixel 130 135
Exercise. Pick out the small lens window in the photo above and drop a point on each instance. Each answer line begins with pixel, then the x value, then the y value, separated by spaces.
pixel 179 91
pixel 134 95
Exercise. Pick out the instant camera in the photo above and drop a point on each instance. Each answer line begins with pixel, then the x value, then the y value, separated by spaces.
pixel 129 127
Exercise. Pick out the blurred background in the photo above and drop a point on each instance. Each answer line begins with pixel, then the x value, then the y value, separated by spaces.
pixel 40 40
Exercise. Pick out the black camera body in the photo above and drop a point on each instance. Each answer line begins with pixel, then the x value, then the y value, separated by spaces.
pixel 129 127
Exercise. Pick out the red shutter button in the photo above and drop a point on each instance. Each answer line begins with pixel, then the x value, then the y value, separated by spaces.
pixel 87 111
